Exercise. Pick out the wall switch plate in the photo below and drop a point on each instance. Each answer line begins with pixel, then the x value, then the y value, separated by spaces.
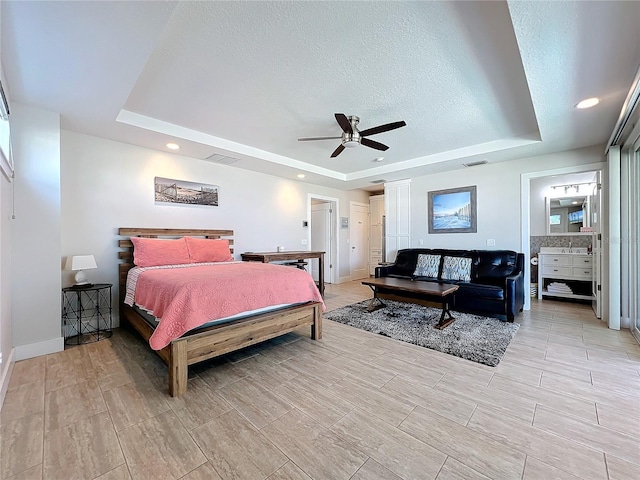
pixel 304 241
pixel 491 242
pixel 421 242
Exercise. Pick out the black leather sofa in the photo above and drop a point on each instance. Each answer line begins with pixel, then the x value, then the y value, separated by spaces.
pixel 497 280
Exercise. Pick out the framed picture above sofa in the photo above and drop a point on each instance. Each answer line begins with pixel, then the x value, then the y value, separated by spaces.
pixel 453 210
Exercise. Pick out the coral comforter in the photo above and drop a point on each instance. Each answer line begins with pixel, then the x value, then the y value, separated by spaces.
pixel 184 297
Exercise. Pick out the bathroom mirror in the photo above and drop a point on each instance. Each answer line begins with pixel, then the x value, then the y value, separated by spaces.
pixel 567 215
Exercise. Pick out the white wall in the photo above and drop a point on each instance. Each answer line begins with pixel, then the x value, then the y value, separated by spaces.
pixel 6 340
pixel 498 190
pixel 36 232
pixel 107 185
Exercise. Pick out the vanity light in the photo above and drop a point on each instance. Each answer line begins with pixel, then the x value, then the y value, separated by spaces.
pixel 588 103
pixel 173 146
pixel 301 175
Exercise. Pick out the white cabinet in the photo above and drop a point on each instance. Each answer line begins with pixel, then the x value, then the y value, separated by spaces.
pixel 397 207
pixel 376 231
pixel 565 275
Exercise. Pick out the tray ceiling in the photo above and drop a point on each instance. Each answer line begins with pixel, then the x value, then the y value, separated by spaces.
pixel 473 81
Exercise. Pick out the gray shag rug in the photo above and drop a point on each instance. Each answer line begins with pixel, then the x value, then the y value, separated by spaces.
pixel 475 338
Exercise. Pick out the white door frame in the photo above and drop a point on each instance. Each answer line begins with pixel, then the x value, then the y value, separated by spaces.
pixel 331 275
pixel 525 215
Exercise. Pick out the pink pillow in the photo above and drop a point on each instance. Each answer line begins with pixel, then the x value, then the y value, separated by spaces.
pixel 205 250
pixel 152 252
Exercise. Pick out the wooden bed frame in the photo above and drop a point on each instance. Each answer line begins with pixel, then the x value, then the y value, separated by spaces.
pixel 209 342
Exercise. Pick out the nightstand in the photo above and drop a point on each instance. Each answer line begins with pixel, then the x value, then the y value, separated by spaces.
pixel 86 313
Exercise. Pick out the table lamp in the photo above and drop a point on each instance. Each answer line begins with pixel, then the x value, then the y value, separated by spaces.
pixel 81 263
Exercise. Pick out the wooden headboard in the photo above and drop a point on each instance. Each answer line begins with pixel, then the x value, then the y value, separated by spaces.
pixel 125 255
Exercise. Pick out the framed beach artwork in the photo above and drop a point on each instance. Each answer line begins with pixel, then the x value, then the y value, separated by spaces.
pixel 453 210
pixel 168 190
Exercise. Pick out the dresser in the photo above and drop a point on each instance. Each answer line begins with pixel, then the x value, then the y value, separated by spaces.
pixel 564 274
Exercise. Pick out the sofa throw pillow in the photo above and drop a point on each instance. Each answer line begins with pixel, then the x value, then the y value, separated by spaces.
pixel 427 265
pixel 152 252
pixel 202 250
pixel 456 268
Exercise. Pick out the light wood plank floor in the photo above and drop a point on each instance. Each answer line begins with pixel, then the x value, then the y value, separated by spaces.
pixel 563 404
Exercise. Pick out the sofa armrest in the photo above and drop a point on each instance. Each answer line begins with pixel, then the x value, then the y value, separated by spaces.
pixel 514 295
pixel 384 270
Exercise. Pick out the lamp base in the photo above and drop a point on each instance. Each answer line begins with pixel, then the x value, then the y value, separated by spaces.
pixel 81 278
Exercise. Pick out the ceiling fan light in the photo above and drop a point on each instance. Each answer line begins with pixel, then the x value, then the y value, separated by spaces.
pixel 351 144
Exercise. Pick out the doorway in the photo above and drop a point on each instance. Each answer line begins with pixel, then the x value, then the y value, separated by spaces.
pixel 537 189
pixel 322 215
pixel 359 240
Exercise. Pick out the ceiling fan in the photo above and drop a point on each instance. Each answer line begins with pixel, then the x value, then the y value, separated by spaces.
pixel 352 137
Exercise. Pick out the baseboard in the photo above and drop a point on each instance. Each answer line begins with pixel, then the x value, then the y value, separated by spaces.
pixel 41 348
pixel 5 376
pixel 625 322
pixel 343 279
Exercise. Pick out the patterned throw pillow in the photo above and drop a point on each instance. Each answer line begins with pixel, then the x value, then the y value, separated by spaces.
pixel 456 268
pixel 427 266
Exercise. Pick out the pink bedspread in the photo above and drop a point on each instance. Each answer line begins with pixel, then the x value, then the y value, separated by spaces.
pixel 185 298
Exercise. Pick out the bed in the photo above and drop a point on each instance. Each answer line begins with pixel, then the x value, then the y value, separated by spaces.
pixel 211 341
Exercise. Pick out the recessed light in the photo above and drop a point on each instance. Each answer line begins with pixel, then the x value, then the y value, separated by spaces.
pixel 588 102
pixel 378 159
pixel 173 146
pixel 301 175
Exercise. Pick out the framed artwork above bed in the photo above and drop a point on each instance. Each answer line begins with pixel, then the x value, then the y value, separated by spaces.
pixel 168 190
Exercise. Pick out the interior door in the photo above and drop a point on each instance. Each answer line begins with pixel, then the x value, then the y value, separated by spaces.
pixel 597 247
pixel 321 236
pixel 359 239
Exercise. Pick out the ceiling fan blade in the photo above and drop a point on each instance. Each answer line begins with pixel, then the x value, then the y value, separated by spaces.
pixel 370 143
pixel 337 151
pixel 382 128
pixel 344 122
pixel 309 139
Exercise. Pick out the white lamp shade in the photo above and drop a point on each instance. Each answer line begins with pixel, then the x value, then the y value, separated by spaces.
pixel 80 262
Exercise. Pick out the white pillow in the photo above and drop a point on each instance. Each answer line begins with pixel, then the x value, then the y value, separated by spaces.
pixel 456 268
pixel 427 266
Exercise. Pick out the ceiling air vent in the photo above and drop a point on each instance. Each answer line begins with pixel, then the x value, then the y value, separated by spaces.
pixel 378 181
pixel 222 159
pixel 475 164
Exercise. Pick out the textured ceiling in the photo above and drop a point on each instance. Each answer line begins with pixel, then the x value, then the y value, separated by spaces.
pixel 472 80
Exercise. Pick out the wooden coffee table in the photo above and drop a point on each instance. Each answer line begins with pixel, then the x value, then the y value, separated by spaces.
pixel 385 287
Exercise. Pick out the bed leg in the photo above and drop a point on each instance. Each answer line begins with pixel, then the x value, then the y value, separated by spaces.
pixel 178 369
pixel 316 327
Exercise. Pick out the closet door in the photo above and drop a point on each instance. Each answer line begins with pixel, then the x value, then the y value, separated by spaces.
pixel 376 230
pixel 397 206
